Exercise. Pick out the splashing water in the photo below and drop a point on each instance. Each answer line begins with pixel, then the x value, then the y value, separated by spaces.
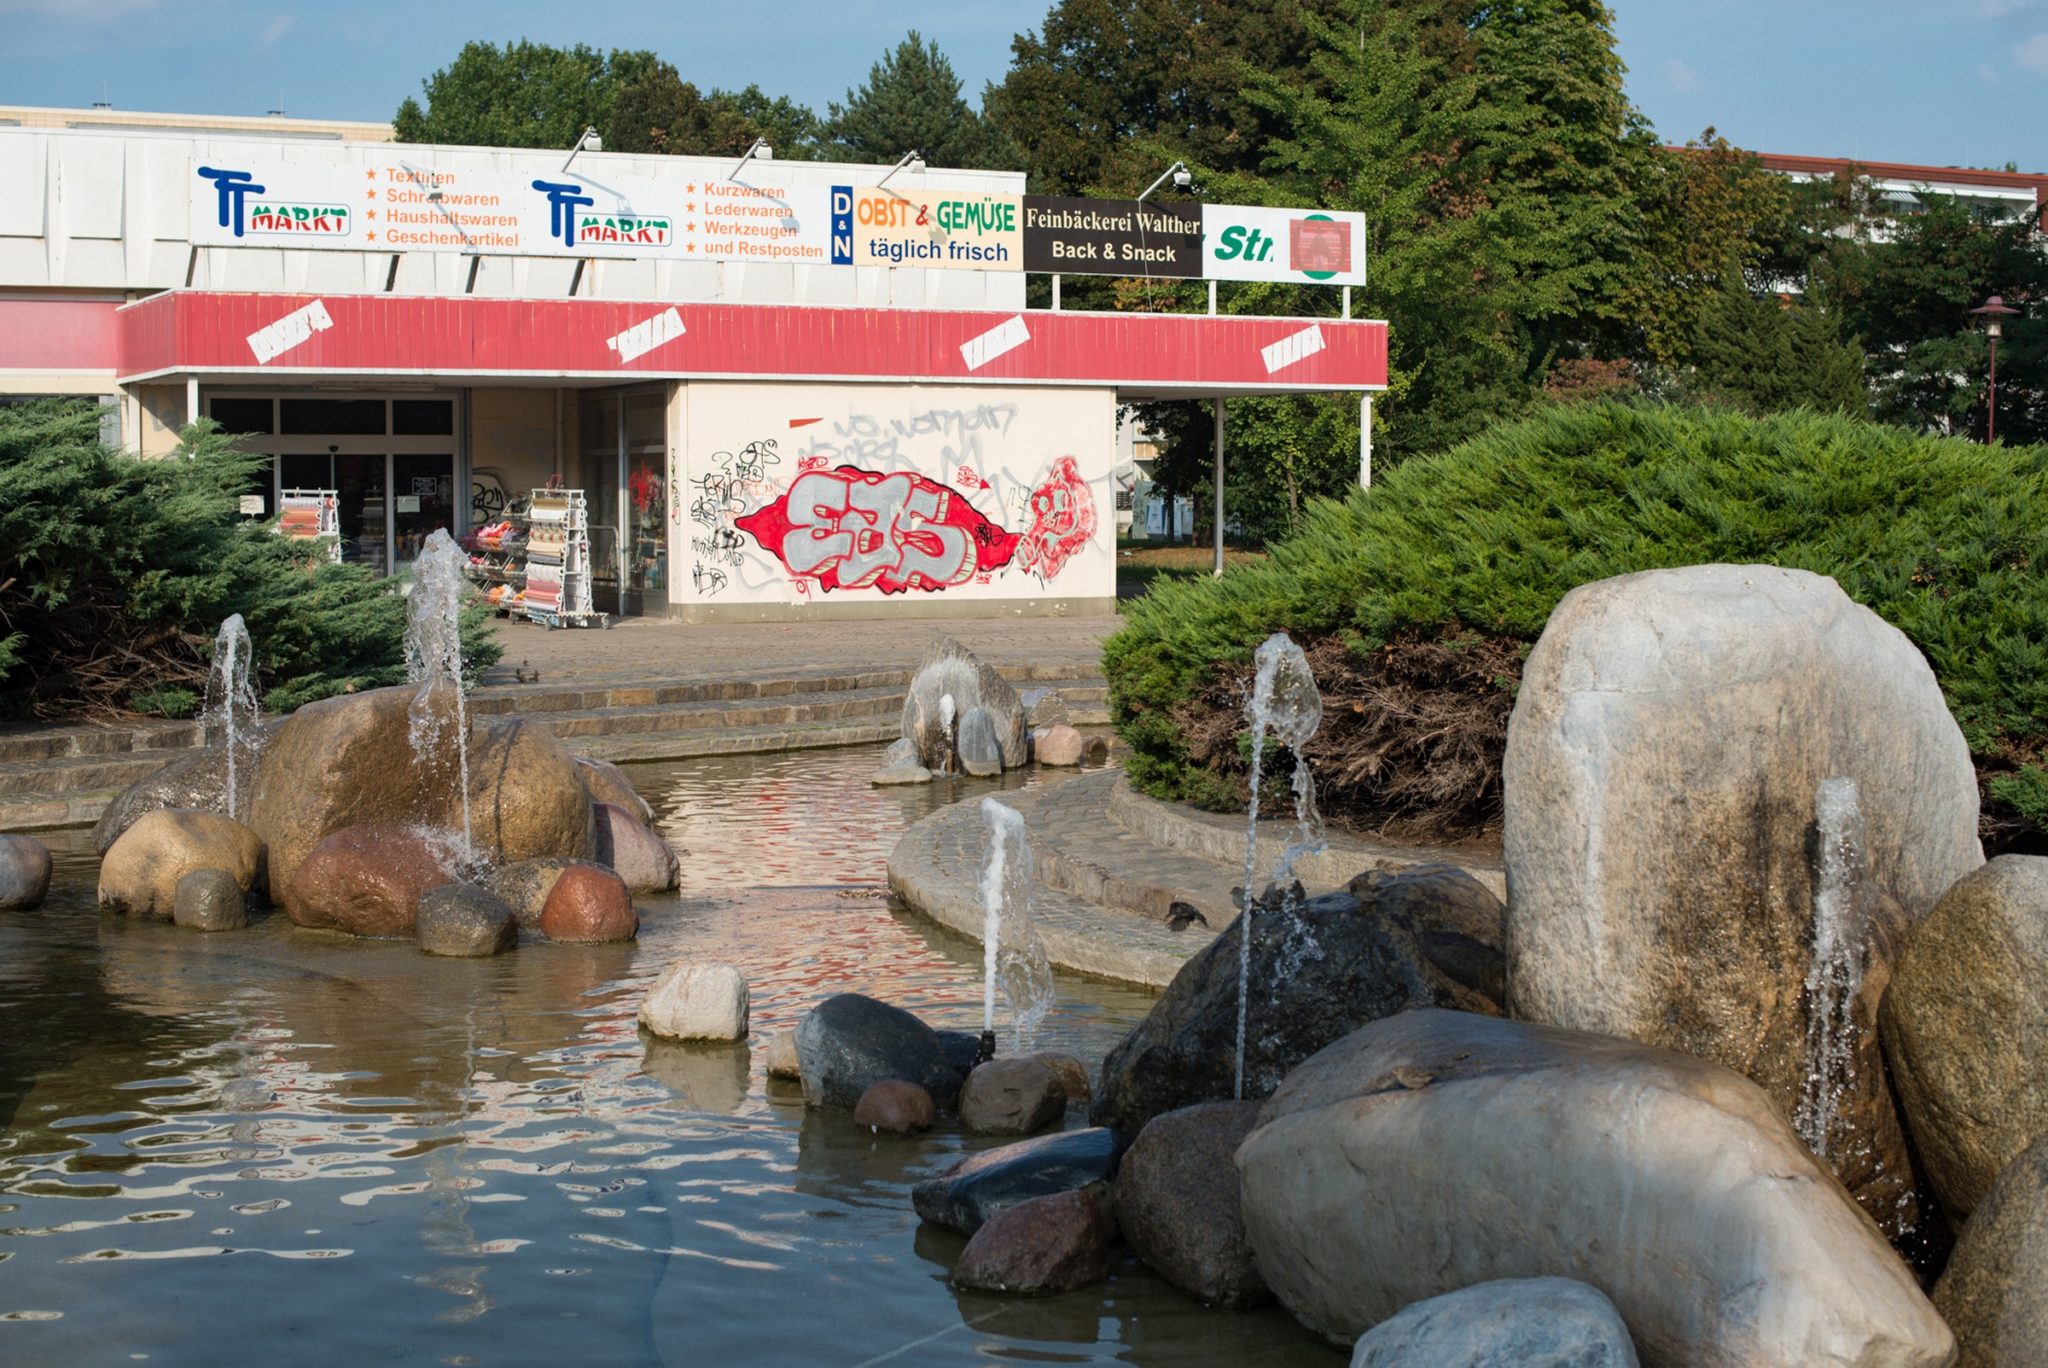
pixel 231 693
pixel 1835 976
pixel 1285 702
pixel 1012 954
pixel 433 654
pixel 946 710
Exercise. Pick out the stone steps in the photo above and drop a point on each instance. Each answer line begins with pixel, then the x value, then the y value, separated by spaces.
pixel 1109 861
pixel 63 776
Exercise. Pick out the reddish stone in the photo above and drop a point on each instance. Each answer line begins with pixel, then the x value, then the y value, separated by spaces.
pixel 1048 1244
pixel 895 1107
pixel 365 880
pixel 589 905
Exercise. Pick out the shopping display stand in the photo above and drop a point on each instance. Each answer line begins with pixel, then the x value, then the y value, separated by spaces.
pixel 310 514
pixel 498 565
pixel 558 560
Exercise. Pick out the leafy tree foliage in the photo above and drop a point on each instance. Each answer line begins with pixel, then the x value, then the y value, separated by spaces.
pixel 520 95
pixel 658 111
pixel 115 573
pixel 1765 355
pixel 911 100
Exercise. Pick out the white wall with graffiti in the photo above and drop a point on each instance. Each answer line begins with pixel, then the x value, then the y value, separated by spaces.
pixel 795 495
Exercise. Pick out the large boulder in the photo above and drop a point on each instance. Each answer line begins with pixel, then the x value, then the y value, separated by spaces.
pixel 1670 737
pixel 1053 1243
pixel 983 1184
pixel 607 783
pixel 197 782
pixel 1527 1322
pixel 350 761
pixel 367 881
pixel 589 907
pixel 848 1043
pixel 951 670
pixel 140 873
pixel 1994 1292
pixel 24 872
pixel 1965 1026
pixel 1434 1150
pixel 1177 1202
pixel 1320 969
pixel 635 853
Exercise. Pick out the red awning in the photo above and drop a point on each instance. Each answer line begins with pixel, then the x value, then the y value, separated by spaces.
pixel 207 334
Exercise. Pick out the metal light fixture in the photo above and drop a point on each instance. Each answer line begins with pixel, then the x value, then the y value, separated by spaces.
pixel 1178 173
pixel 760 149
pixel 589 142
pixel 1993 311
pixel 912 161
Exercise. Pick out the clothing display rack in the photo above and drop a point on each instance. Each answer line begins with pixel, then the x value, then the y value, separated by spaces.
pixel 308 515
pixel 558 560
pixel 497 565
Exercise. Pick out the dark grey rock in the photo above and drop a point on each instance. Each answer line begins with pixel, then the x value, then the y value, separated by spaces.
pixel 983 1184
pixel 198 782
pixel 1014 1096
pixel 848 1043
pixel 210 900
pixel 24 872
pixel 963 1051
pixel 981 750
pixel 1528 1322
pixel 1178 1203
pixel 464 920
pixel 1320 969
pixel 901 751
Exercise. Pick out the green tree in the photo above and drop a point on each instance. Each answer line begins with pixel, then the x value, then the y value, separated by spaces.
pixel 911 101
pixel 1766 355
pixel 658 111
pixel 1908 291
pixel 520 95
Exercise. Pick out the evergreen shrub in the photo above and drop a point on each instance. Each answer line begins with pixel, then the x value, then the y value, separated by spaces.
pixel 116 572
pixel 1944 538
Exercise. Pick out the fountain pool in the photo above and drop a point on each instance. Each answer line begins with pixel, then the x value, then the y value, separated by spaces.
pixel 324 1152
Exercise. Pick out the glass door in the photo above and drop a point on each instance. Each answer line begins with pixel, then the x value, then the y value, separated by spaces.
pixel 423 498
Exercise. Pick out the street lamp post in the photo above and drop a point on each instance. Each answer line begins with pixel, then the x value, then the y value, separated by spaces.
pixel 1993 310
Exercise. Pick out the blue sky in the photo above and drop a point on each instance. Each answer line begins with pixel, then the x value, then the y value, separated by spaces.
pixel 1941 82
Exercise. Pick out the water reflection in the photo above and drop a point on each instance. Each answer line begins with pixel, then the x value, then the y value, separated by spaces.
pixel 459 1140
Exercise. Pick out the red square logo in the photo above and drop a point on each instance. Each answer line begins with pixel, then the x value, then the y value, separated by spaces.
pixel 1319 245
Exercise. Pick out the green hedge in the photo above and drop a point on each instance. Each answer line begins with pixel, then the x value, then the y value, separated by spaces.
pixel 1946 539
pixel 115 573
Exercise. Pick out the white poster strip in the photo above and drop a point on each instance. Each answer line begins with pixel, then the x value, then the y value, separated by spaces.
pixel 396 205
pixel 1303 246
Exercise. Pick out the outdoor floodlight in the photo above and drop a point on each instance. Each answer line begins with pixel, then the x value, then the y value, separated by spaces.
pixel 589 142
pixel 1178 173
pixel 760 149
pixel 912 160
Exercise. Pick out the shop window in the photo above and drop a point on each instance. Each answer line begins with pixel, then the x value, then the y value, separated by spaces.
pixel 240 417
pixel 331 417
pixel 423 417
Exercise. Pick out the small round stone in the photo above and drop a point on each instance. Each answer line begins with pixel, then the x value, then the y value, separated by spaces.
pixel 894 1107
pixel 465 921
pixel 24 872
pixel 589 905
pixel 782 1059
pixel 703 1001
pixel 210 900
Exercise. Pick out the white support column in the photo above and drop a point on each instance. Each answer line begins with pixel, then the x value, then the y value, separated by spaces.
pixel 191 399
pixel 1365 441
pixel 1219 486
pixel 1055 292
pixel 1212 303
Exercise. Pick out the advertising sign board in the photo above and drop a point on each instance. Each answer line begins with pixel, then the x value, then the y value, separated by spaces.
pixel 1303 246
pixel 937 229
pixel 1111 237
pixel 398 207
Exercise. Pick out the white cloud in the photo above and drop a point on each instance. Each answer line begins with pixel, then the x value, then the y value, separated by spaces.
pixel 276 29
pixel 1999 9
pixel 2032 55
pixel 1682 79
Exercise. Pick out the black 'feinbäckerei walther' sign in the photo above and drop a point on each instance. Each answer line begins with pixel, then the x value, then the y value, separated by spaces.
pixel 1111 237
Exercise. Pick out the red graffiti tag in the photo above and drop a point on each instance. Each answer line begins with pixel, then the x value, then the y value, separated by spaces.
pixel 861 529
pixel 1062 520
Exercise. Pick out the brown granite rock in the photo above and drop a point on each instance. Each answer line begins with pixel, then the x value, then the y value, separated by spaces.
pixel 1012 1097
pixel 894 1107
pixel 607 783
pixel 1048 1244
pixel 140 873
pixel 1994 1293
pixel 589 905
pixel 636 853
pixel 365 881
pixel 525 884
pixel 1177 1202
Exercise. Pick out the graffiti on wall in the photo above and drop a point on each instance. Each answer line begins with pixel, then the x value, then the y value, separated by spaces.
pixel 850 528
pixel 1062 521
